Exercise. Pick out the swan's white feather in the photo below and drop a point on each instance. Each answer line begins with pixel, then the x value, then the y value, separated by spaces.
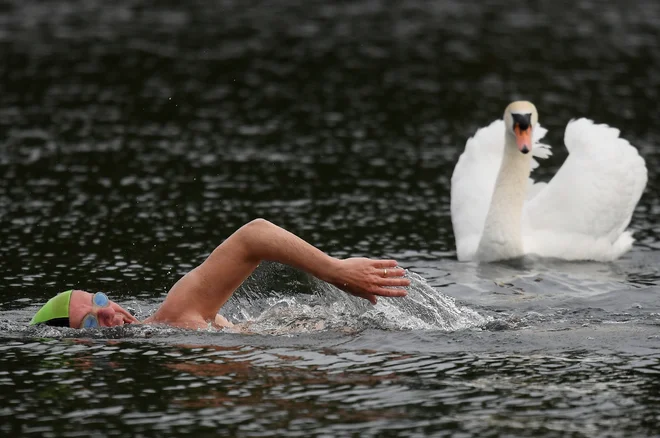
pixel 473 182
pixel 581 214
pixel 584 210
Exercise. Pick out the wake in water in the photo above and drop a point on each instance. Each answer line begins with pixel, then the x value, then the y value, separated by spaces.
pixel 328 308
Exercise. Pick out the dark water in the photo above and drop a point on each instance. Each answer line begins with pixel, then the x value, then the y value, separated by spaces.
pixel 136 135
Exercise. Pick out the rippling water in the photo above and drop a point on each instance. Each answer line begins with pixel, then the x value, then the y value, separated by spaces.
pixel 135 137
pixel 138 388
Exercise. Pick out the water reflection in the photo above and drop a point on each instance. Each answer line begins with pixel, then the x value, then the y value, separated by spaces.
pixel 250 390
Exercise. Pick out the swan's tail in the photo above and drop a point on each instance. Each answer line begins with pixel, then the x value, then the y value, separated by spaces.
pixel 622 245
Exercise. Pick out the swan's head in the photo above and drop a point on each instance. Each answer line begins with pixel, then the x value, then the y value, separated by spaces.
pixel 519 119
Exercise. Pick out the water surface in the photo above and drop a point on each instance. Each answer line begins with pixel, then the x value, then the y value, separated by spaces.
pixel 135 137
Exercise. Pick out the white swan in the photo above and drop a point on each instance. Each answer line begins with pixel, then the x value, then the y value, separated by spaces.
pixel 499 213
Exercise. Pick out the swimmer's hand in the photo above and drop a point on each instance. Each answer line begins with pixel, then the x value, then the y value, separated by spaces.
pixel 123 316
pixel 367 278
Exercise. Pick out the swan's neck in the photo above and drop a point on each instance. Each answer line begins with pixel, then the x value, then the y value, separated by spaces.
pixel 502 235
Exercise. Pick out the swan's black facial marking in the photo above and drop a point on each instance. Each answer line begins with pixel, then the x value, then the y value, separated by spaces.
pixel 523 121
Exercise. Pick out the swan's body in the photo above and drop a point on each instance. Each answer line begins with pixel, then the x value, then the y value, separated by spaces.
pixel 498 212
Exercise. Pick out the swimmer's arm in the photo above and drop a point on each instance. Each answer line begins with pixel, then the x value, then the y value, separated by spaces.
pixel 261 240
pixel 208 287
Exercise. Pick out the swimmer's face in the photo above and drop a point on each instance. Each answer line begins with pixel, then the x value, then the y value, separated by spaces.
pixel 81 305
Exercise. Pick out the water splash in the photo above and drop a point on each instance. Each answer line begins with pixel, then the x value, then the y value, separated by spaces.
pixel 425 308
pixel 328 308
pixel 308 305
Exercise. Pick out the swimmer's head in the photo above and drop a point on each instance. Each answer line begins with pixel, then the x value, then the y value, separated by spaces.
pixel 55 312
pixel 80 309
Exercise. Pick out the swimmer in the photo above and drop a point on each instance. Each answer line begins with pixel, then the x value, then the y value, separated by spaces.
pixel 194 301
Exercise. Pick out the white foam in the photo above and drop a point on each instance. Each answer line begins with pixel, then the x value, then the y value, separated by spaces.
pixel 424 308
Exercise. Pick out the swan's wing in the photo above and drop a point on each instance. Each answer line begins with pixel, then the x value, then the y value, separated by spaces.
pixel 473 182
pixel 594 192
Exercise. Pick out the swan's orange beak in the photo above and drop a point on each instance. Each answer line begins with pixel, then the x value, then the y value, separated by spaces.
pixel 523 138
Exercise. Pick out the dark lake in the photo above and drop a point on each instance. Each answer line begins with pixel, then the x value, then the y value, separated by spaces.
pixel 136 135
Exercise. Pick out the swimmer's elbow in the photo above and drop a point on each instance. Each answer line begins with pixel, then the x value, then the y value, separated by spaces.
pixel 258 224
pixel 254 228
pixel 251 236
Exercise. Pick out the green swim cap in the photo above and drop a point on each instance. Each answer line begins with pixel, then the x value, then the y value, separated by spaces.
pixel 55 312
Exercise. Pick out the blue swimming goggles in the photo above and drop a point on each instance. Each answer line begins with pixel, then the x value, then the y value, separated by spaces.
pixel 99 299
